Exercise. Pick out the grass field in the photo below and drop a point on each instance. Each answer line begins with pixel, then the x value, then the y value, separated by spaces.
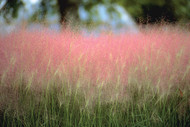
pixel 65 79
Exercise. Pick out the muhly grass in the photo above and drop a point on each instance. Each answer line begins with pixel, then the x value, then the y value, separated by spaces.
pixel 65 79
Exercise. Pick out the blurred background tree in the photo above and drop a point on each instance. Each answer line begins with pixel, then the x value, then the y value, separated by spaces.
pixel 158 10
pixel 10 8
pixel 144 11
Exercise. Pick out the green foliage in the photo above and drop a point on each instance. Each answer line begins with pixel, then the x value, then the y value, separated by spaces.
pixel 47 8
pixel 170 10
pixel 11 9
pixel 182 9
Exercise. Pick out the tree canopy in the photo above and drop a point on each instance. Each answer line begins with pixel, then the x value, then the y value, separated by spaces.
pixel 145 10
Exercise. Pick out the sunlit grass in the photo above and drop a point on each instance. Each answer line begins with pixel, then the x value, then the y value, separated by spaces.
pixel 66 79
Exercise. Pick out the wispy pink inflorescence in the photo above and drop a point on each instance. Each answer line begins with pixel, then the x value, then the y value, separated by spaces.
pixel 151 54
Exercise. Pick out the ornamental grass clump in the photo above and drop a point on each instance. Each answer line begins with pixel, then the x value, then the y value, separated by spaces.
pixel 63 78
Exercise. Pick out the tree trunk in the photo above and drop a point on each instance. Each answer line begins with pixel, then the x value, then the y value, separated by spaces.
pixel 64 7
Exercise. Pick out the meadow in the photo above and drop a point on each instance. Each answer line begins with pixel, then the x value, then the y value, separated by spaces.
pixel 64 79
